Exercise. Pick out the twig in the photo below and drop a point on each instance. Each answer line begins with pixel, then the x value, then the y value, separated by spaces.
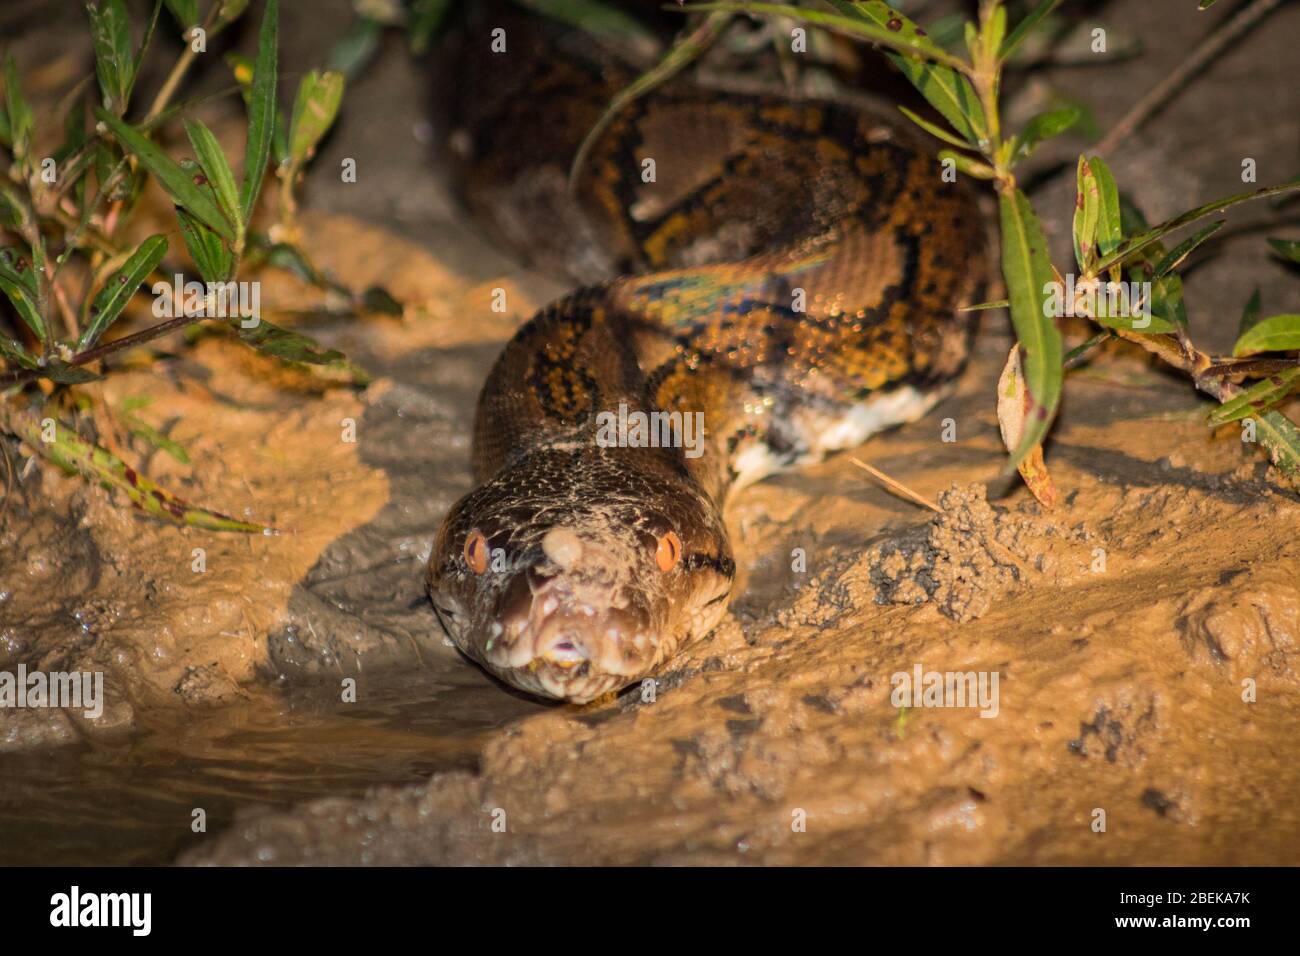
pixel 897 487
pixel 1209 48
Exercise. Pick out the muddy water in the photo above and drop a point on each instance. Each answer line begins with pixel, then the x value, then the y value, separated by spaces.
pixel 133 801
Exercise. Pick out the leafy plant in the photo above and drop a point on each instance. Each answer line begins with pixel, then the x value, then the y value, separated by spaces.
pixel 1111 242
pixel 69 212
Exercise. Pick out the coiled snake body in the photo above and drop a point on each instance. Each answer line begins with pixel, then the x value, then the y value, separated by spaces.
pixel 788 269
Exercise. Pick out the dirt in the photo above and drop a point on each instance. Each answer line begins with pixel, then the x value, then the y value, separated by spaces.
pixel 1145 633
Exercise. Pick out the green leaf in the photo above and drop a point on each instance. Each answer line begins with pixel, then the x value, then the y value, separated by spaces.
pixel 934 130
pixel 1260 397
pixel 1277 333
pixel 110 30
pixel 426 17
pixel 1287 248
pixel 261 111
pixel 1024 27
pixel 1181 251
pixel 967 165
pixel 292 346
pixel 229 12
pixel 186 12
pixel 354 52
pixel 59 371
pixel 139 427
pixel 314 111
pixel 144 46
pixel 943 87
pixel 1282 439
pixel 1109 228
pixel 211 256
pixel 1027 270
pixel 75 455
pixel 985 306
pixel 14 351
pixel 120 287
pixel 1043 127
pixel 948 92
pixel 217 170
pixel 1155 323
pixel 179 184
pixel 18 112
pixel 19 285
pixel 1167 290
pixel 1249 315
pixel 1087 210
pixel 1133 246
pixel 242 67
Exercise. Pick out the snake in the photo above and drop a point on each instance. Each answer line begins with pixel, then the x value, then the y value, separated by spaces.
pixel 760 279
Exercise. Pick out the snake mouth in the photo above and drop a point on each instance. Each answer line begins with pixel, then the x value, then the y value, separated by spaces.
pixel 556 644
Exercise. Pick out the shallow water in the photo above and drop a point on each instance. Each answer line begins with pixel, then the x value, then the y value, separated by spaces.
pixel 132 802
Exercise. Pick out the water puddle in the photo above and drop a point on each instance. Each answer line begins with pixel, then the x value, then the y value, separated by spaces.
pixel 133 802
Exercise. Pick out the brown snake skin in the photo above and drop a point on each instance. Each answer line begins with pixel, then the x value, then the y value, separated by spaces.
pixel 791 273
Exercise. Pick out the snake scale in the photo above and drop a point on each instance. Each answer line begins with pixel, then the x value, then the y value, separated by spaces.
pixel 787 272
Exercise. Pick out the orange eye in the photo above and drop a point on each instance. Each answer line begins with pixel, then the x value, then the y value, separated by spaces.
pixel 669 552
pixel 476 552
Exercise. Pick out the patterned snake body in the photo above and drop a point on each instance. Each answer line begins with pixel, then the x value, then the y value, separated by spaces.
pixel 786 271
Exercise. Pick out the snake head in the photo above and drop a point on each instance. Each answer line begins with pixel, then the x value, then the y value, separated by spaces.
pixel 572 596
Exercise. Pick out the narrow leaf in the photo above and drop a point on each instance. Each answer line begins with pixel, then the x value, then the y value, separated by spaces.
pixel 1249 315
pixel 292 346
pixel 178 184
pixel 1024 27
pixel 74 454
pixel 1027 270
pixel 1181 251
pixel 186 12
pixel 110 31
pixel 217 170
pixel 1280 436
pixel 1109 228
pixel 1087 209
pixel 314 111
pixel 1277 333
pixel 1043 127
pixel 211 256
pixel 1131 247
pixel 933 130
pixel 1287 248
pixel 261 111
pixel 120 287
pixel 1260 397
pixel 17 111
pixel 426 17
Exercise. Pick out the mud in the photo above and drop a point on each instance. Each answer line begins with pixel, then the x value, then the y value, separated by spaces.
pixel 1145 632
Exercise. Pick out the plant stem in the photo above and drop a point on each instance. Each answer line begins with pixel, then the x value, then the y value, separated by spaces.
pixel 1210 47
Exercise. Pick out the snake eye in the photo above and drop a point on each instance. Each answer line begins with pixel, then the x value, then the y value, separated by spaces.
pixel 476 552
pixel 668 552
